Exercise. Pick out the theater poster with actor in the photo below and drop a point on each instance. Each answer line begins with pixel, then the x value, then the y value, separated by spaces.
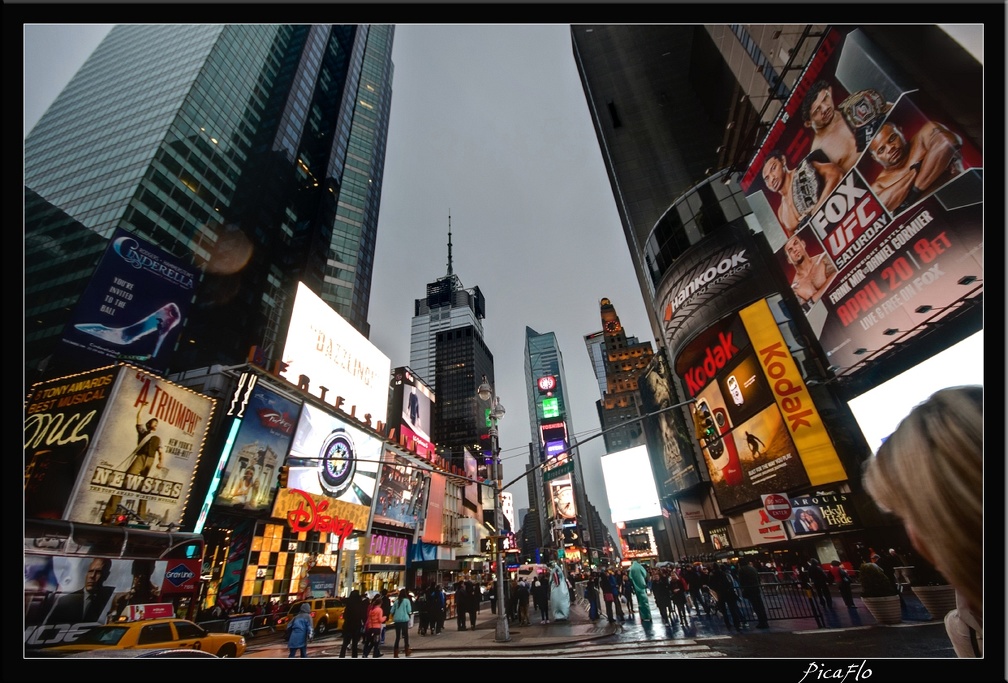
pixel 144 455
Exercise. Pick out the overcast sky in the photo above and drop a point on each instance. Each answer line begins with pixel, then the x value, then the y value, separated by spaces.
pixel 489 125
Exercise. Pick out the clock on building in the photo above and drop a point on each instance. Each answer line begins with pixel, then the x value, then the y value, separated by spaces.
pixel 612 326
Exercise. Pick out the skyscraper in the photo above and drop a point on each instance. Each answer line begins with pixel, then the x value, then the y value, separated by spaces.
pixel 564 503
pixel 625 360
pixel 253 152
pixel 448 351
pixel 698 125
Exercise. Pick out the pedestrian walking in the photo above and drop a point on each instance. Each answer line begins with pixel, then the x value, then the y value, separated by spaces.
pixel 386 605
pixel 611 588
pixel 749 580
pixel 523 603
pixel 591 594
pixel 475 597
pixel 373 627
pixel 540 592
pixel 300 632
pixel 662 592
pixel 353 622
pixel 638 576
pixel 461 605
pixel 844 584
pixel 626 588
pixel 439 607
pixel 678 589
pixel 727 599
pixel 401 614
pixel 820 583
pixel 421 610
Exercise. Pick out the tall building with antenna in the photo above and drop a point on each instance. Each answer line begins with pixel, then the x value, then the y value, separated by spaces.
pixel 448 351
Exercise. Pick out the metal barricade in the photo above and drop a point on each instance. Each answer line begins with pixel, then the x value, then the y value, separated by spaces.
pixel 783 600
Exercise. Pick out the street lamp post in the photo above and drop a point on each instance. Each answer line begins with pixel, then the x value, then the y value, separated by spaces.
pixel 486 393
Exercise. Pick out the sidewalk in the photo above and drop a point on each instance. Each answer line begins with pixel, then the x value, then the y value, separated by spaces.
pixel 579 628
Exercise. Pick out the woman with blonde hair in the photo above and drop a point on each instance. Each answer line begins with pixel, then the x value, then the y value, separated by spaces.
pixel 929 473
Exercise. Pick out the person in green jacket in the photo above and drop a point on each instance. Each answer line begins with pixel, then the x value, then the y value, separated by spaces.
pixel 638 577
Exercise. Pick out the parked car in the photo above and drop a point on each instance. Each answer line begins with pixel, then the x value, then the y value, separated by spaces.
pixel 155 634
pixel 326 614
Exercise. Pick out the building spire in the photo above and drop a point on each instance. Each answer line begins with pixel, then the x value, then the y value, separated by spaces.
pixel 449 245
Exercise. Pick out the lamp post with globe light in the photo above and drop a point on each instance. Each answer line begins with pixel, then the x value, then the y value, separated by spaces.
pixel 485 392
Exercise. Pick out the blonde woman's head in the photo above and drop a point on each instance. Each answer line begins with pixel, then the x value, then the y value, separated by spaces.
pixel 929 473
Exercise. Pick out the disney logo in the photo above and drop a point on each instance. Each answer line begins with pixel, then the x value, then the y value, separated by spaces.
pixel 308 517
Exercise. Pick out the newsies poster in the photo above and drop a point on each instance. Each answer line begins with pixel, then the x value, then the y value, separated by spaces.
pixel 143 455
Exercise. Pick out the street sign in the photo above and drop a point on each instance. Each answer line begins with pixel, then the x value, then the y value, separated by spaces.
pixel 777 506
pixel 566 468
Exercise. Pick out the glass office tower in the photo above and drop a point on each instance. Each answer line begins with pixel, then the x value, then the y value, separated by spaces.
pixel 253 152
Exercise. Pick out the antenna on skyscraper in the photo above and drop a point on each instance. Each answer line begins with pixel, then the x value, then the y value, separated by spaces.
pixel 449 245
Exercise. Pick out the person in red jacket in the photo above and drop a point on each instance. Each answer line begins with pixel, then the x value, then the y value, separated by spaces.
pixel 373 627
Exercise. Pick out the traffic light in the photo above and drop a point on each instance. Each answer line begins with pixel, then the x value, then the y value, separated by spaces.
pixel 282 476
pixel 120 519
pixel 703 423
pixel 698 428
pixel 710 431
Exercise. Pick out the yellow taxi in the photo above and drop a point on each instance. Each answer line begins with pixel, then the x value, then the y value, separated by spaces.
pixel 155 634
pixel 326 614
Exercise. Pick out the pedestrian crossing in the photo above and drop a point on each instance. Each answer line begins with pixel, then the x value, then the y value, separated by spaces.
pixel 663 649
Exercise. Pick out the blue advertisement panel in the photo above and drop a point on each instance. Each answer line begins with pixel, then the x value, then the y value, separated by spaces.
pixel 872 199
pixel 260 445
pixel 131 308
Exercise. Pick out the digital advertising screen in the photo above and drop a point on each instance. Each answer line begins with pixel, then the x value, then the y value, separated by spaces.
pixel 630 485
pixel 402 493
pixel 259 446
pixel 326 351
pixel 767 435
pixel 331 457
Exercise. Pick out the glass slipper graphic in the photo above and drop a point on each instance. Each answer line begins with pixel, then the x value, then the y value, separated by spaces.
pixel 161 321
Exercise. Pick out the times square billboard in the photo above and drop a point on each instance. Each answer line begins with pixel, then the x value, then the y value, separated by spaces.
pixel 871 198
pixel 131 309
pixel 724 323
pixel 110 441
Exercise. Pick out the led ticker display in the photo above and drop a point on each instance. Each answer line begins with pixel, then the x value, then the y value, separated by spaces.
pixel 555 448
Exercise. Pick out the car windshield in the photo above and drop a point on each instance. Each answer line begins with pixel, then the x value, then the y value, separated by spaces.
pixel 102 635
pixel 294 609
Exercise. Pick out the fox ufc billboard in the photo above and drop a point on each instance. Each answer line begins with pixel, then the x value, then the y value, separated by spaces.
pixel 871 197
